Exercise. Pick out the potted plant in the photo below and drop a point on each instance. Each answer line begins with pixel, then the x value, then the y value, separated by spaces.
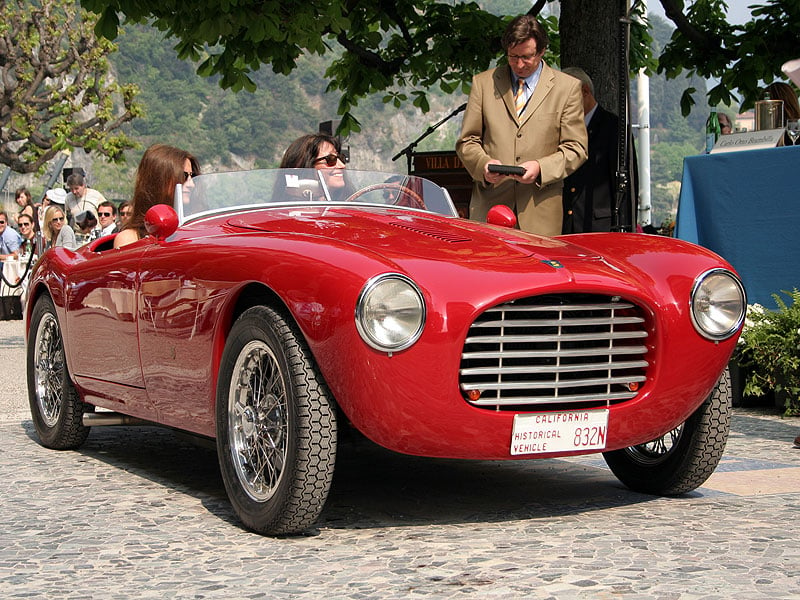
pixel 768 352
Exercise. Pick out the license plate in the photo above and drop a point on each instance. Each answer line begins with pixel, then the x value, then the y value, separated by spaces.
pixel 559 431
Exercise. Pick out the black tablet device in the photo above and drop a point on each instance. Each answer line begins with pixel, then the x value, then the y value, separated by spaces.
pixel 507 169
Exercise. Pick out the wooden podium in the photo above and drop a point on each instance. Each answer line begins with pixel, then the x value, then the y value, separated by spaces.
pixel 445 169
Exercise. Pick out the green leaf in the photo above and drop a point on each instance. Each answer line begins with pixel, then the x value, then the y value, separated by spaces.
pixel 107 25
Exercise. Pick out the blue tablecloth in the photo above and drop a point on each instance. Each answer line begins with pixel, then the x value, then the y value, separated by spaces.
pixel 745 206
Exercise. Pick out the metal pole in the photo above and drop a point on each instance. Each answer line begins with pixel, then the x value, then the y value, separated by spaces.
pixel 4 178
pixel 623 132
pixel 643 138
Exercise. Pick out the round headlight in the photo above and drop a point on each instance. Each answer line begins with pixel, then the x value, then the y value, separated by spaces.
pixel 718 304
pixel 390 313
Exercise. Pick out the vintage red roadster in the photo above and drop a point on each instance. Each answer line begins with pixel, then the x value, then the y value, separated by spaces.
pixel 272 308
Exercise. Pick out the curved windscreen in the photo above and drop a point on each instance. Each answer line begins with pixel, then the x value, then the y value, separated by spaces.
pixel 216 192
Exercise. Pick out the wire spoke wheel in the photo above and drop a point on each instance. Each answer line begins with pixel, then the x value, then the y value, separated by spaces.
pixel 656 450
pixel 56 409
pixel 257 421
pixel 276 425
pixel 49 367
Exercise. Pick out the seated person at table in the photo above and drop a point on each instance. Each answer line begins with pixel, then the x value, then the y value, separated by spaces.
pixel 778 90
pixel 125 212
pixel 107 214
pixel 28 231
pixel 85 223
pixel 25 201
pixel 10 240
pixel 56 230
pixel 162 167
pixel 725 126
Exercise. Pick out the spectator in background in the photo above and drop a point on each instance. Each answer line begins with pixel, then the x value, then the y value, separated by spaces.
pixel 81 199
pixel 28 231
pixel 10 240
pixel 107 216
pixel 56 231
pixel 85 224
pixel 162 167
pixel 725 125
pixel 791 108
pixel 590 193
pixel 125 212
pixel 25 201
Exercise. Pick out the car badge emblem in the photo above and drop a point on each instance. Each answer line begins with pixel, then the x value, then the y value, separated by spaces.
pixel 553 263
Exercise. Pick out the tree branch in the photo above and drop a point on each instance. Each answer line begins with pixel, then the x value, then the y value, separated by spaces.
pixel 675 14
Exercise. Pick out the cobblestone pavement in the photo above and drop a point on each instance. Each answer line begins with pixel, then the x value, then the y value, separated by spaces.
pixel 141 513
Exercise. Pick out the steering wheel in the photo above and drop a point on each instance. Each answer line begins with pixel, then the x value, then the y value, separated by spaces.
pixel 405 196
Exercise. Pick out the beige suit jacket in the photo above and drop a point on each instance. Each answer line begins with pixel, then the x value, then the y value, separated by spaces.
pixel 551 131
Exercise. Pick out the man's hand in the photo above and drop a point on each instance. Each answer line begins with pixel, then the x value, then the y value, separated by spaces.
pixel 532 172
pixel 492 177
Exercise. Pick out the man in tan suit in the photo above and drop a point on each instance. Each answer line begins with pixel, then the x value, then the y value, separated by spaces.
pixel 524 114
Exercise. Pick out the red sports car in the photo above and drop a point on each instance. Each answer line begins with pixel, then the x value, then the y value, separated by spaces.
pixel 273 307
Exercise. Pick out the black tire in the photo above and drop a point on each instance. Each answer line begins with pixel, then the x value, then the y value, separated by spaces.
pixel 56 409
pixel 276 426
pixel 682 459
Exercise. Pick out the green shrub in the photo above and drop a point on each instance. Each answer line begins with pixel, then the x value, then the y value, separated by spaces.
pixel 769 350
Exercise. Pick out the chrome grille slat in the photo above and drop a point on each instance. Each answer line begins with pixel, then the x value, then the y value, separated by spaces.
pixel 555 350
pixel 563 353
pixel 556 369
pixel 568 337
pixel 556 322
pixel 560 307
pixel 545 400
pixel 557 385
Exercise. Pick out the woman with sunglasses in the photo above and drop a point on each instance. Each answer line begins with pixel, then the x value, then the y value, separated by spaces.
pixel 28 230
pixel 162 167
pixel 54 230
pixel 323 152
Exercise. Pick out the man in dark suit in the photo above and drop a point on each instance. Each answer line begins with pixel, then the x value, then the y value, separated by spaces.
pixel 523 114
pixel 591 192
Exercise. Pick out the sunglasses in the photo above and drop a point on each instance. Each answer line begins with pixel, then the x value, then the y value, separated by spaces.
pixel 24 224
pixel 331 159
pixel 187 175
pixel 104 214
pixel 58 218
pixel 2 222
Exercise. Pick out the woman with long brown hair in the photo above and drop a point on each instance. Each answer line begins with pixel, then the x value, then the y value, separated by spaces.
pixel 162 167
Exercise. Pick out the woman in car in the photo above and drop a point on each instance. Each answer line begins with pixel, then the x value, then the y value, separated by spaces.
pixel 322 152
pixel 162 167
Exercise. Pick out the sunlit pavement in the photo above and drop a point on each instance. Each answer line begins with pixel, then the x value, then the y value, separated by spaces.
pixel 141 513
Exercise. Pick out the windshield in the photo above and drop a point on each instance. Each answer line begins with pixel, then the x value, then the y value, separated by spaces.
pixel 218 192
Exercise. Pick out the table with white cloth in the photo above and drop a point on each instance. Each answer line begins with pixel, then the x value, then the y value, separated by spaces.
pixel 13 270
pixel 745 206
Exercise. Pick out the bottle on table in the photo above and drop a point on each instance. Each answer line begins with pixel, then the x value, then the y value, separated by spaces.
pixel 713 129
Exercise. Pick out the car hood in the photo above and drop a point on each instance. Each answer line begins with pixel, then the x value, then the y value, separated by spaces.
pixel 398 233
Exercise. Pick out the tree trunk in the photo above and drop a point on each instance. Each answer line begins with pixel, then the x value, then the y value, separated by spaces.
pixel 598 53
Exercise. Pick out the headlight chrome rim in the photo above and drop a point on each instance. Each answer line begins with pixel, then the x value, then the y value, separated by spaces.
pixel 701 302
pixel 376 336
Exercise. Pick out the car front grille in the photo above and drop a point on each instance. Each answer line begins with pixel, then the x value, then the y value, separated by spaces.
pixel 555 351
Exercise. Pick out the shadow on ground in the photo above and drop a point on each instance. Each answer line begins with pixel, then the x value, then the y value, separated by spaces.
pixel 374 487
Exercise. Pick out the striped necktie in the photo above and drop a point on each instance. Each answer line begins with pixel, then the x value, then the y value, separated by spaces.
pixel 519 98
